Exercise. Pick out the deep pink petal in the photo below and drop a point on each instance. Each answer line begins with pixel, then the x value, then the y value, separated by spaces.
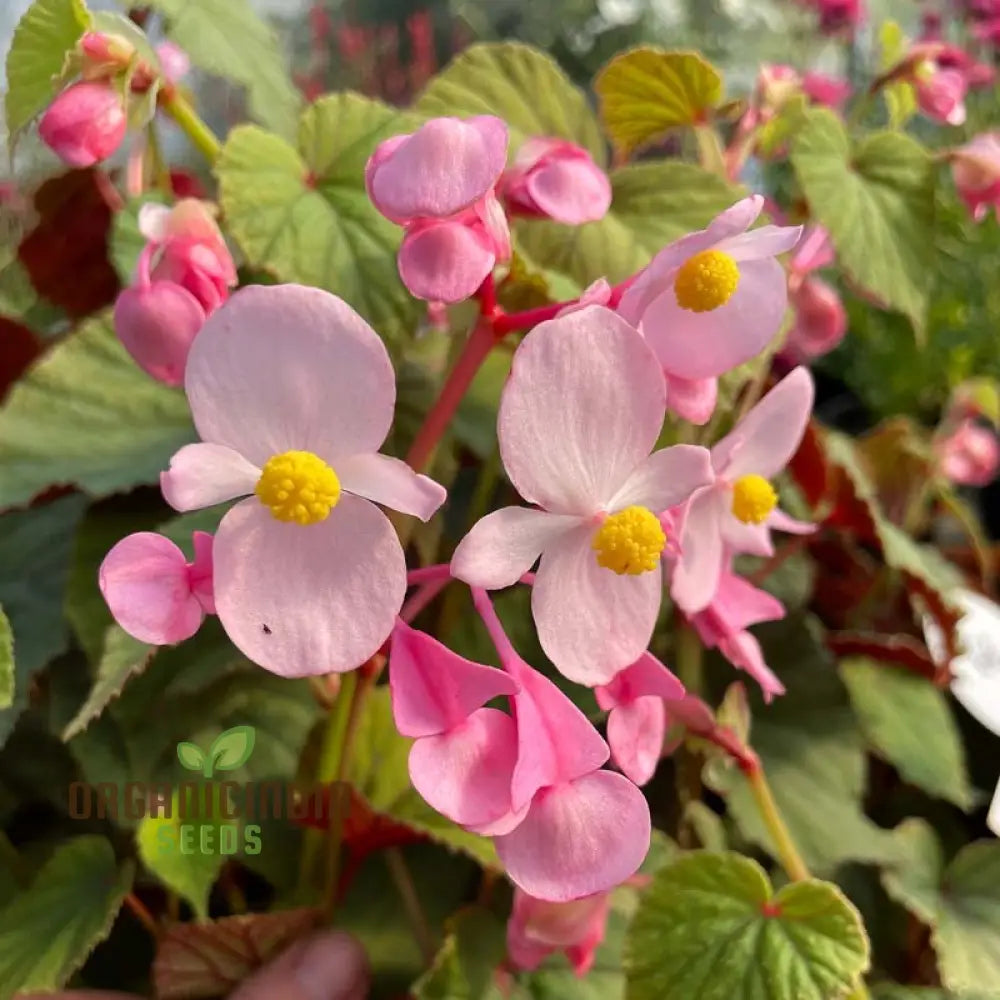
pixel 465 773
pixel 434 689
pixel 571 191
pixel 392 483
pixel 635 735
pixel 201 570
pixel 582 408
pixel 743 651
pixel 578 839
pixel 308 599
pixel 647 676
pixel 591 621
pixel 505 544
pixel 285 367
pixel 692 399
pixel 144 580
pixel 740 604
pixel 446 261
pixel 696 575
pixel 201 475
pixel 665 479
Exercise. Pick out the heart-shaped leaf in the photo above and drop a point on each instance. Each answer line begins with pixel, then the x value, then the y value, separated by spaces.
pixel 231 749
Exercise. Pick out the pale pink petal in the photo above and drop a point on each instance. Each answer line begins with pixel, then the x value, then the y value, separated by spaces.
pixel 525 953
pixel 597 293
pixel 144 580
pixel 778 520
pixel 579 838
pixel 582 408
pixel 465 773
pixel 696 345
pixel 392 483
pixel 740 604
pixel 284 367
pixel 635 734
pixel 201 475
pixel 764 441
pixel 743 651
pixel 200 571
pixel 505 544
pixel 509 821
pixel 153 221
pixel 766 241
pixel 308 599
pixel 591 621
pixel 434 689
pixel 571 191
pixel 445 166
pixel 665 479
pixel 647 676
pixel 692 399
pixel 696 575
pixel 751 539
pixel 445 261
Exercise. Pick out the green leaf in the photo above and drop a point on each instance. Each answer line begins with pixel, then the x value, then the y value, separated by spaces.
pixel 960 902
pixel 6 662
pixel 191 756
pixel 877 201
pixel 711 927
pixel 653 204
pixel 228 38
pixel 648 91
pixel 908 722
pixel 43 40
pixel 87 415
pixel 47 932
pixel 304 215
pixel 521 85
pixel 232 748
pixel 464 967
pixel 900 95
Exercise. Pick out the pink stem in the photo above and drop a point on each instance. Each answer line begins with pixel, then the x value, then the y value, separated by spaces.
pixel 423 596
pixel 429 574
pixel 484 607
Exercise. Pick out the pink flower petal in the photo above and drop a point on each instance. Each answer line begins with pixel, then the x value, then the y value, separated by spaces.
pixel 696 575
pixel 505 544
pixel 778 520
pixel 740 604
pixel 571 191
pixel 465 773
pixel 665 479
pixel 765 241
pixel 647 676
pixel 579 838
pixel 392 483
pixel 144 580
pixel 743 651
pixel 591 622
pixel 285 367
pixel 692 399
pixel 201 570
pixel 445 261
pixel 751 539
pixel 434 689
pixel 635 734
pixel 201 475
pixel 311 599
pixel 153 221
pixel 582 408
pixel 763 442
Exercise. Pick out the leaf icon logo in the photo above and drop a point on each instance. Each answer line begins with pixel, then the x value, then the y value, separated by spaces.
pixel 229 750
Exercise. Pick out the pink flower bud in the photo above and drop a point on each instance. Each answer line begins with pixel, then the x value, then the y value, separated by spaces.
pixel 941 93
pixel 820 321
pixel 157 324
pixel 838 15
pixel 821 88
pixel 969 455
pixel 84 124
pixel 555 179
pixel 104 55
pixel 975 168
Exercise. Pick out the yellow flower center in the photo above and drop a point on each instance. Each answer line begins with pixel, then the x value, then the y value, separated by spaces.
pixel 706 281
pixel 753 499
pixel 630 541
pixel 298 487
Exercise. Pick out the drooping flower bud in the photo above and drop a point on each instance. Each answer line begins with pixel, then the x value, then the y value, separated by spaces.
pixel 969 455
pixel 85 123
pixel 537 929
pixel 975 168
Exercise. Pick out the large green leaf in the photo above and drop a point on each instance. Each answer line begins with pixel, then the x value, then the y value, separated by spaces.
pixel 877 201
pixel 907 721
pixel 228 38
pixel 303 214
pixel 48 930
pixel 42 42
pixel 521 85
pixel 710 926
pixel 87 415
pixel 960 902
pixel 6 662
pixel 653 204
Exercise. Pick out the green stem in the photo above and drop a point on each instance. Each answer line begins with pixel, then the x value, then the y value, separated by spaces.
pixel 788 853
pixel 202 137
pixel 688 660
pixel 411 903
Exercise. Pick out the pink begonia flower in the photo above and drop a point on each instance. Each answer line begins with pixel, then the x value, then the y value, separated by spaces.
pixel 975 168
pixel 739 507
pixel 537 929
pixel 85 123
pixel 969 455
pixel 154 593
pixel 578 419
pixel 822 88
pixel 713 299
pixel 174 61
pixel 556 179
pixel 438 183
pixel 941 94
pixel 837 15
pixel 820 317
pixel 638 716
pixel 292 394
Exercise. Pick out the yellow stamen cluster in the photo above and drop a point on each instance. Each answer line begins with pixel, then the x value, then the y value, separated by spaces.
pixel 630 541
pixel 298 487
pixel 753 499
pixel 706 281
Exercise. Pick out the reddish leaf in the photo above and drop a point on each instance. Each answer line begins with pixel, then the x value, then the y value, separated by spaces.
pixel 209 959
pixel 900 650
pixel 66 254
pixel 18 348
pixel 186 184
pixel 809 466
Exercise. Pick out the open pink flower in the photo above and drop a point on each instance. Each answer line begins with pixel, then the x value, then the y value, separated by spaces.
pixel 975 168
pixel 154 593
pixel 739 507
pixel 85 123
pixel 537 929
pixel 292 394
pixel 713 299
pixel 822 88
pixel 969 455
pixel 556 179
pixel 638 716
pixel 578 419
